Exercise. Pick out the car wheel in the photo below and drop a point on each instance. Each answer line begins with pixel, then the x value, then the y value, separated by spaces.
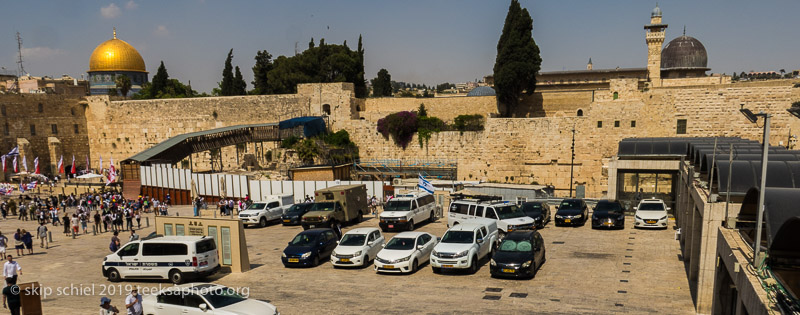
pixel 411 225
pixel 473 268
pixel 263 222
pixel 176 276
pixel 432 218
pixel 436 270
pixel 414 266
pixel 360 217
pixel 533 270
pixel 384 230
pixel 316 261
pixel 113 275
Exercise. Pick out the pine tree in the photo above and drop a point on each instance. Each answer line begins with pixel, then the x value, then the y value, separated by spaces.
pixel 361 83
pixel 160 81
pixel 382 84
pixel 260 70
pixel 240 86
pixel 227 86
pixel 518 59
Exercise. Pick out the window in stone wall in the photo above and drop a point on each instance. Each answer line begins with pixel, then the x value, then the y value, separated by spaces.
pixel 77 130
pixel 681 128
pixel 33 130
pixel 616 95
pixel 326 109
pixel 6 130
pixel 54 129
pixel 599 124
pixel 580 113
pixel 3 110
pixel 633 124
pixel 616 124
pixel 41 108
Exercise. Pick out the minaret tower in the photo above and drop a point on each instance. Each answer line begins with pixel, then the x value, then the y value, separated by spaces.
pixel 589 65
pixel 654 37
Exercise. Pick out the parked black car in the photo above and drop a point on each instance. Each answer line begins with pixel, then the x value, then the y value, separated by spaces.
pixel 309 248
pixel 295 213
pixel 539 211
pixel 608 214
pixel 519 255
pixel 572 212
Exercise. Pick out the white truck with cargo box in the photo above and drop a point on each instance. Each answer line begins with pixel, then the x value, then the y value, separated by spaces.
pixel 269 210
pixel 337 205
pixel 464 245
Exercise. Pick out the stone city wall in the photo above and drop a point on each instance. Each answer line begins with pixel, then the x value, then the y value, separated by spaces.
pixel 43 126
pixel 445 108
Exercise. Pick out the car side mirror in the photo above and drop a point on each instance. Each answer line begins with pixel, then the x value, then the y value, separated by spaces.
pixel 438 239
pixel 203 307
pixel 635 208
pixel 383 245
pixel 556 207
pixel 480 241
pixel 321 243
pixel 370 243
pixel 290 243
pixel 420 247
pixel 668 208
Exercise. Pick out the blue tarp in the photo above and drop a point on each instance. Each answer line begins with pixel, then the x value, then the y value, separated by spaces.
pixel 312 125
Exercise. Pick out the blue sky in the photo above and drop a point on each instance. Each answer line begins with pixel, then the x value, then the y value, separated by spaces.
pixel 417 41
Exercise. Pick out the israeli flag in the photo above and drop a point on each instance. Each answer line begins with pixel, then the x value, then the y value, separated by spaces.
pixel 14 151
pixel 425 185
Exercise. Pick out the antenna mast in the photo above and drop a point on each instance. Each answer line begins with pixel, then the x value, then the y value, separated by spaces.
pixel 20 68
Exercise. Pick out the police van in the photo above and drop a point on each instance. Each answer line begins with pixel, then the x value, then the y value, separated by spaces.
pixel 176 258
pixel 405 210
pixel 508 215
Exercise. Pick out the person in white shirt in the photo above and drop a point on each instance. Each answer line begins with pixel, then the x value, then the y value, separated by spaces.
pixel 133 303
pixel 11 268
pixel 106 308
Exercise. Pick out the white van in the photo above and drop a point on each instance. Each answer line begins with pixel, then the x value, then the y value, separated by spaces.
pixel 269 210
pixel 509 216
pixel 403 211
pixel 163 257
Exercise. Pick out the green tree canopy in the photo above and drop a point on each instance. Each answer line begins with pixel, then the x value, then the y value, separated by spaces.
pixel 382 84
pixel 518 59
pixel 240 86
pixel 160 81
pixel 228 86
pixel 123 83
pixel 260 69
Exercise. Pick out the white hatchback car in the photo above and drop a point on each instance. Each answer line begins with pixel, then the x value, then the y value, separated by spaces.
pixel 203 299
pixel 405 252
pixel 358 247
pixel 651 213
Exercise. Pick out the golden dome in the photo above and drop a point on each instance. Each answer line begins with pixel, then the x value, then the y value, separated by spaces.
pixel 116 55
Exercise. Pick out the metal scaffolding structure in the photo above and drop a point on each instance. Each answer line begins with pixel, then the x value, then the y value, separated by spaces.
pixel 381 168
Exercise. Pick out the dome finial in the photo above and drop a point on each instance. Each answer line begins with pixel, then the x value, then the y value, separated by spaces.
pixel 115 33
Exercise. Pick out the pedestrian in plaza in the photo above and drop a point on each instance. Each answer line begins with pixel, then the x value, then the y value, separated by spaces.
pixel 22 212
pixel 74 223
pixel 18 244
pixel 134 302
pixel 134 236
pixel 106 308
pixel 41 233
pixel 54 216
pixel 129 219
pixel 138 218
pixel 97 221
pixel 65 223
pixel 27 239
pixel 84 217
pixel 3 244
pixel 11 299
pixel 114 246
pixel 11 269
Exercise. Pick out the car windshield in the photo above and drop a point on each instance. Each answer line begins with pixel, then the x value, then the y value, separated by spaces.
pixel 515 246
pixel 532 209
pixel 459 237
pixel 257 206
pixel 353 240
pixel 397 205
pixel 298 208
pixel 651 206
pixel 401 243
pixel 303 240
pixel 608 207
pixel 323 206
pixel 222 297
pixel 508 212
pixel 570 204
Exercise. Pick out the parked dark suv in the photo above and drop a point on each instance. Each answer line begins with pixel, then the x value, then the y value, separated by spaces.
pixel 608 214
pixel 539 211
pixel 295 213
pixel 572 212
pixel 519 255
pixel 309 248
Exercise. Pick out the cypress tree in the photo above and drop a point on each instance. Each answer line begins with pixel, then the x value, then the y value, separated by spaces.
pixel 240 86
pixel 160 81
pixel 227 87
pixel 360 83
pixel 518 59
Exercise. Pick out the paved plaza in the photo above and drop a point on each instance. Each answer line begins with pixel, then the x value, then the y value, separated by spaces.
pixel 587 271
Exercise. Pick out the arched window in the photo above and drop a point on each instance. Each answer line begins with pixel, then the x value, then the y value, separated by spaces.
pixel 580 113
pixel 326 109
pixel 41 108
pixel 616 95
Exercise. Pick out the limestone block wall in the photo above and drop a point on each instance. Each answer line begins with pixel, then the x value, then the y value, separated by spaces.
pixel 446 108
pixel 31 117
pixel 696 81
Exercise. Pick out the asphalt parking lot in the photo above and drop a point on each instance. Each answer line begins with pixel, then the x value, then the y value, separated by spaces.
pixel 587 271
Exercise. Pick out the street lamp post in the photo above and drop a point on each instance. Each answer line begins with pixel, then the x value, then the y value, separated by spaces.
pixel 572 161
pixel 764 155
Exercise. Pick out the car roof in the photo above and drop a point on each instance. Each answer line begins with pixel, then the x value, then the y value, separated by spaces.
pixel 361 231
pixel 465 227
pixel 409 234
pixel 519 235
pixel 608 201
pixel 652 201
pixel 192 286
pixel 410 195
pixel 175 239
pixel 572 199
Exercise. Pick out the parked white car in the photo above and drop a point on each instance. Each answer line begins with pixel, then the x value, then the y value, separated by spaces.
pixel 358 247
pixel 651 213
pixel 405 252
pixel 464 245
pixel 406 210
pixel 203 299
pixel 509 216
pixel 269 210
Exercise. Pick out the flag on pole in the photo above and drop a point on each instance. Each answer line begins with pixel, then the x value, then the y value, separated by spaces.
pixel 425 184
pixel 112 173
pixel 14 151
pixel 101 165
pixel 61 165
pixel 24 164
pixel 88 165
pixel 74 169
pixel 16 167
pixel 36 165
pixel 4 163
